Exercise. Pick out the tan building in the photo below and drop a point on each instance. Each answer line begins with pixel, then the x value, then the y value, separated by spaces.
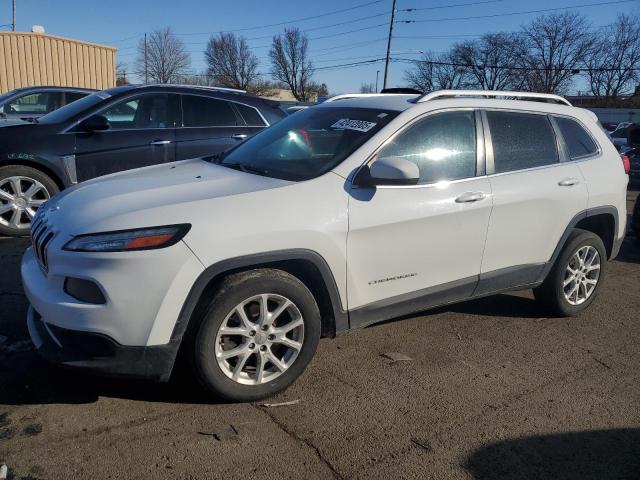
pixel 30 59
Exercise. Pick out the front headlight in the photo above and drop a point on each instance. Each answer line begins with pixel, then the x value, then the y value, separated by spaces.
pixel 128 240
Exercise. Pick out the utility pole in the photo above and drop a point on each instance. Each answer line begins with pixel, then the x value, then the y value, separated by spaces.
pixel 377 73
pixel 13 24
pixel 146 64
pixel 386 63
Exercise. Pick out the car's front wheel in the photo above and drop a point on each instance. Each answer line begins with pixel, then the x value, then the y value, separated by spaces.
pixel 575 278
pixel 22 191
pixel 260 332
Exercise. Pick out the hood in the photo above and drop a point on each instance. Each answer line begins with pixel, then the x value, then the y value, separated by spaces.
pixel 111 202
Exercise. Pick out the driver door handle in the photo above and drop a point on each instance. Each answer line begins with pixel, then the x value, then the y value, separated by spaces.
pixel 568 182
pixel 160 142
pixel 470 197
pixel 239 136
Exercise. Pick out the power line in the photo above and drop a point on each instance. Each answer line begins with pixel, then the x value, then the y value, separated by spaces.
pixel 515 67
pixel 567 7
pixel 287 22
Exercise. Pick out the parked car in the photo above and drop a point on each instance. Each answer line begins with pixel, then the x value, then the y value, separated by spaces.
pixel 119 129
pixel 29 103
pixel 619 135
pixel 635 218
pixel 342 215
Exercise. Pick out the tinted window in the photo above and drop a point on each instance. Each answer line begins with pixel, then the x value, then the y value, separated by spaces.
pixel 578 142
pixel 521 140
pixel 207 112
pixel 309 143
pixel 73 96
pixel 250 115
pixel 443 146
pixel 34 103
pixel 147 111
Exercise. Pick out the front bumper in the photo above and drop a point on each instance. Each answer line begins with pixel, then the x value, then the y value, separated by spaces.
pixel 98 353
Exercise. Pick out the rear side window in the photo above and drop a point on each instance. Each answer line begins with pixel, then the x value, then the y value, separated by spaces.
pixel 35 103
pixel 579 143
pixel 442 145
pixel 251 116
pixel 207 112
pixel 521 140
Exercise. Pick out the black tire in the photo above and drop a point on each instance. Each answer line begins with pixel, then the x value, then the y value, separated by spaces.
pixel 233 290
pixel 8 171
pixel 550 294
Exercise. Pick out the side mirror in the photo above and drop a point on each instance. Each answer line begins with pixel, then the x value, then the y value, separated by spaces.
pixel 96 123
pixel 391 171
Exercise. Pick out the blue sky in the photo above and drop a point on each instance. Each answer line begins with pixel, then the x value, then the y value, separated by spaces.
pixel 121 23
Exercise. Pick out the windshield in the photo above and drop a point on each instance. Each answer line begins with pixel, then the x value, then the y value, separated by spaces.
pixel 72 109
pixel 309 143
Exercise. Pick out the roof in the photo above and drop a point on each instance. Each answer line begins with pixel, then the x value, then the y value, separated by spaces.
pixel 460 98
pixel 56 37
pixel 382 101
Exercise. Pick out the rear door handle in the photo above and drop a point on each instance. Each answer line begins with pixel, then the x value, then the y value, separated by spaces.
pixel 470 197
pixel 239 136
pixel 160 142
pixel 568 182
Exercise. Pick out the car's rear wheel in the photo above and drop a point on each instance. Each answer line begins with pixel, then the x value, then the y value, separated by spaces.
pixel 575 278
pixel 258 335
pixel 22 191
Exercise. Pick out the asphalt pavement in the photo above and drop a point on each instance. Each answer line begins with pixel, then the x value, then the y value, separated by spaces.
pixel 488 389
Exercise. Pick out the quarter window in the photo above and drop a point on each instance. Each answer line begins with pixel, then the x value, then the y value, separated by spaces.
pixel 251 116
pixel 207 112
pixel 521 140
pixel 443 146
pixel 579 143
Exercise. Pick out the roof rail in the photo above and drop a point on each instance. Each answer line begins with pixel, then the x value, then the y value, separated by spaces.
pixel 200 87
pixel 491 93
pixel 344 96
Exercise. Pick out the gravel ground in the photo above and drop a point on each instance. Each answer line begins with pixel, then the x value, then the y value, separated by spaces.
pixel 493 390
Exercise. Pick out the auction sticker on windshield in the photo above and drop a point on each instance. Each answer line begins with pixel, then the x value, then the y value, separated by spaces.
pixel 358 125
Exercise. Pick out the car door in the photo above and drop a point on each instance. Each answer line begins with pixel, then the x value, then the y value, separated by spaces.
pixel 141 133
pixel 411 247
pixel 209 126
pixel 535 197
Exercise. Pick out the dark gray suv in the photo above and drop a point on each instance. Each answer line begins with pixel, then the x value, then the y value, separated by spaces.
pixel 119 129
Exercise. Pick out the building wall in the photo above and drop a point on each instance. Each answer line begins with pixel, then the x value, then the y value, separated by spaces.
pixel 30 59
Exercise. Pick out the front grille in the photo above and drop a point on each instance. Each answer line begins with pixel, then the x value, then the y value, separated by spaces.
pixel 41 236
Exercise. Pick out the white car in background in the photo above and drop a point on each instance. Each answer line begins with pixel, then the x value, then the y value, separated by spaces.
pixel 342 215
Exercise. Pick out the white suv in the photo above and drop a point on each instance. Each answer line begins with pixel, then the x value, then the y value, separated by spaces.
pixel 348 213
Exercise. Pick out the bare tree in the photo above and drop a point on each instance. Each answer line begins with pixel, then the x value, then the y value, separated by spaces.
pixel 121 73
pixel 554 47
pixel 166 57
pixel 290 63
pixel 489 61
pixel 436 72
pixel 232 64
pixel 611 65
pixel 367 88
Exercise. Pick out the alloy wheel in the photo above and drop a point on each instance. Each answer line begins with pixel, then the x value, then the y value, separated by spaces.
pixel 581 275
pixel 20 197
pixel 259 339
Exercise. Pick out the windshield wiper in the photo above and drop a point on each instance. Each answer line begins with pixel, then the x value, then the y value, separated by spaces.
pixel 246 168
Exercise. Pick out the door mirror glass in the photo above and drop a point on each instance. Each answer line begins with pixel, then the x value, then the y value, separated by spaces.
pixel 96 123
pixel 393 171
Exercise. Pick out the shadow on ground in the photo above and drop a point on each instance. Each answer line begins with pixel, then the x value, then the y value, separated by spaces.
pixel 597 454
